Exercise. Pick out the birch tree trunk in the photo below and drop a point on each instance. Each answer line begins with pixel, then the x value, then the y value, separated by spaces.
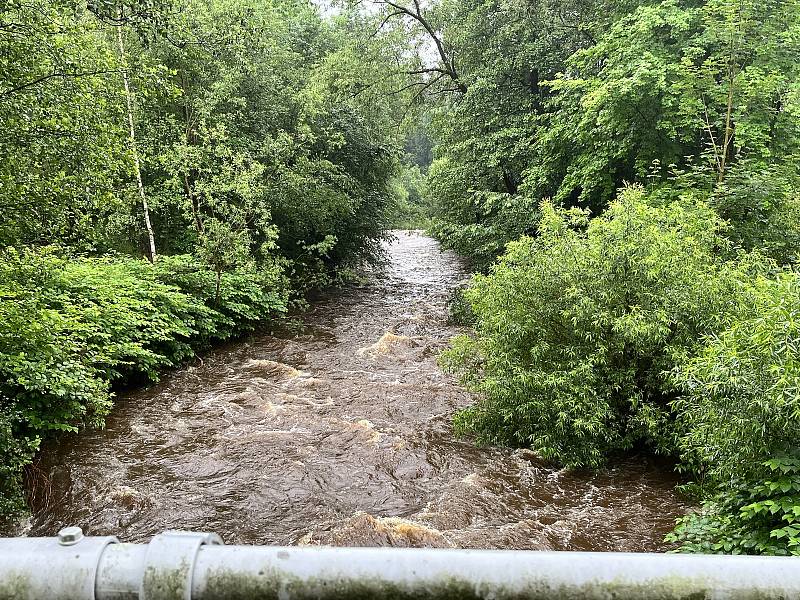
pixel 128 96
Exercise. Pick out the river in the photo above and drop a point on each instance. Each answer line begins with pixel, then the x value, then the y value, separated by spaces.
pixel 338 432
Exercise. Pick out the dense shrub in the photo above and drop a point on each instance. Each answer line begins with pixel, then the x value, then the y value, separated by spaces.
pixel 738 417
pixel 500 218
pixel 576 328
pixel 460 308
pixel 759 515
pixel 645 326
pixel 16 451
pixel 739 402
pixel 69 329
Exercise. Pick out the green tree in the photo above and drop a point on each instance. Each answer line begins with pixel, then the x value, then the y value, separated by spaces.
pixel 62 149
pixel 576 327
pixel 222 248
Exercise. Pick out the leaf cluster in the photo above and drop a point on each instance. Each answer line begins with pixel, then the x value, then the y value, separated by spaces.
pixel 759 515
pixel 71 329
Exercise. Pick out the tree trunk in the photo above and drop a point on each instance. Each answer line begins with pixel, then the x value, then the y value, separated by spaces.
pixel 729 129
pixel 728 136
pixel 128 96
pixel 198 221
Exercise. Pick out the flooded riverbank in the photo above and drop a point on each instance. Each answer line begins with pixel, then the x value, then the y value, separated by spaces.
pixel 339 434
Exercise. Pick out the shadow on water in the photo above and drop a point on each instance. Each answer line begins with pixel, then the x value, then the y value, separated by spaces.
pixel 339 433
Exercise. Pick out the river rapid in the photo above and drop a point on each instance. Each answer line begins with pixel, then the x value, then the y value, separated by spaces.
pixel 338 432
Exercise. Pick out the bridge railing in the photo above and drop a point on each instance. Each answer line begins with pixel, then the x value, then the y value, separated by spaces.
pixel 185 565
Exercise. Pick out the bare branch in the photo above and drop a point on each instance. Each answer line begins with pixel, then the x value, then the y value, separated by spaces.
pixel 386 20
pixel 428 70
pixel 44 78
pixel 446 58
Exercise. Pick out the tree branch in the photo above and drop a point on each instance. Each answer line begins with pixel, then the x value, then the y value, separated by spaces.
pixel 52 76
pixel 448 67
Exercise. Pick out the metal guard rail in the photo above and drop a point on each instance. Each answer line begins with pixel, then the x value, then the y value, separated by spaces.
pixel 184 566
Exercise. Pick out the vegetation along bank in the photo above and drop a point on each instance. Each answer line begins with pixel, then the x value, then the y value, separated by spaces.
pixel 172 174
pixel 624 175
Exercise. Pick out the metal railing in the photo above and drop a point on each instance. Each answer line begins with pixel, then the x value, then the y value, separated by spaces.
pixel 184 565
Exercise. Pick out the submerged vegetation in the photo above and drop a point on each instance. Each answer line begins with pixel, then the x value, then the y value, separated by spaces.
pixel 624 176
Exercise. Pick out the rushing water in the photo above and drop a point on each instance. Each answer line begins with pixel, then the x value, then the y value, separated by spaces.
pixel 339 434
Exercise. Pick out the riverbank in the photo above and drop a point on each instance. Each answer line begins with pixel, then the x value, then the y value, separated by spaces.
pixel 73 328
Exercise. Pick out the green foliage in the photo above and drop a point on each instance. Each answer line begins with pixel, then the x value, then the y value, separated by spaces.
pixel 222 247
pixel 264 134
pixel 266 140
pixel 15 453
pixel 754 516
pixel 739 403
pixel 493 158
pixel 763 203
pixel 575 108
pixel 668 321
pixel 411 203
pixel 642 328
pixel 575 328
pixel 61 128
pixel 460 308
pixel 243 110
pixel 501 218
pixel 71 328
pixel 738 407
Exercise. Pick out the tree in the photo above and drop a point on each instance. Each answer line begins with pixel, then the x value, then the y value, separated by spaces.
pixel 223 247
pixel 62 148
pixel 136 165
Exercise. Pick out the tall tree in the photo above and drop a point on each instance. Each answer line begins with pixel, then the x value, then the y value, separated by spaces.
pixel 134 149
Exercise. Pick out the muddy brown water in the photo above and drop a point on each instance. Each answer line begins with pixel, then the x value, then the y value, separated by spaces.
pixel 339 434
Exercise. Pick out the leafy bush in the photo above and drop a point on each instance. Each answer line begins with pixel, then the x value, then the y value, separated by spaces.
pixel 644 327
pixel 576 328
pixel 738 410
pixel 15 453
pixel 756 516
pixel 460 309
pixel 499 219
pixel 739 402
pixel 762 203
pixel 71 328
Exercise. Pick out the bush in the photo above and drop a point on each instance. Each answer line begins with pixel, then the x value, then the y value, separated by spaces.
pixel 576 328
pixel 739 402
pixel 738 417
pixel 70 329
pixel 501 218
pixel 644 327
pixel 15 453
pixel 755 516
pixel 460 309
